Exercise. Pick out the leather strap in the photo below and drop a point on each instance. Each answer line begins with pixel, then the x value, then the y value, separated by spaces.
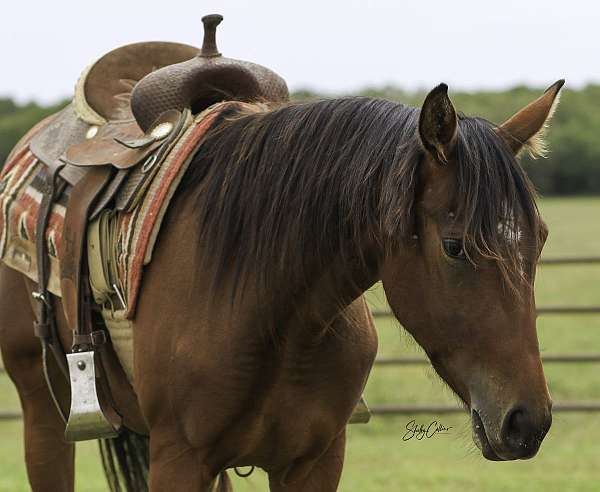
pixel 75 286
pixel 45 324
pixel 73 265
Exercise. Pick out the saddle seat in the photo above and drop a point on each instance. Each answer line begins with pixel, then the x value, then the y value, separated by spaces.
pixel 87 132
pixel 103 91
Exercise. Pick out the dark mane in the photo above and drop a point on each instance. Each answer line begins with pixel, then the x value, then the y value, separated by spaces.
pixel 284 192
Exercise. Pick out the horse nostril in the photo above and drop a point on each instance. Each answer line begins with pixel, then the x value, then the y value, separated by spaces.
pixel 517 420
pixel 521 433
pixel 517 430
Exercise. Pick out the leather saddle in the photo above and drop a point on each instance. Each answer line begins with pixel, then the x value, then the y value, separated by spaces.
pixel 128 111
pixel 128 108
pixel 125 102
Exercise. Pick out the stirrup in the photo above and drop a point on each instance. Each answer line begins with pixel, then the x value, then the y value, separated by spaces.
pixel 87 418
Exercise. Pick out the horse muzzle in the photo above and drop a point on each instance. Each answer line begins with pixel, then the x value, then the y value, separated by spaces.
pixel 518 436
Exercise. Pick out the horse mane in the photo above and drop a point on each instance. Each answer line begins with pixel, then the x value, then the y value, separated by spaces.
pixel 283 192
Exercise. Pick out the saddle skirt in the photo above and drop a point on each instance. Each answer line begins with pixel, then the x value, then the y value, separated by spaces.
pixel 22 183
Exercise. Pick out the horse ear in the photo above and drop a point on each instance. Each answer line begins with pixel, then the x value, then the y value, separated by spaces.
pixel 438 124
pixel 526 128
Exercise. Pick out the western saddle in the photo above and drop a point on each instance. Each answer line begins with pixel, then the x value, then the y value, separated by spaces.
pixel 129 108
pixel 120 99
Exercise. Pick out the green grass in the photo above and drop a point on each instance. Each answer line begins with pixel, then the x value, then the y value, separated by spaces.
pixel 377 458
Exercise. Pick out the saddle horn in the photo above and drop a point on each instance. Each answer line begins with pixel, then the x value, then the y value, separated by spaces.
pixel 209 45
pixel 202 81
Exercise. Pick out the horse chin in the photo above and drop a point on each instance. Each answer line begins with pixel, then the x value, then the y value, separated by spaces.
pixel 481 440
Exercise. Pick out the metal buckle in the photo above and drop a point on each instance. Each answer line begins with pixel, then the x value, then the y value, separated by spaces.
pixel 149 163
pixel 98 337
pixel 86 417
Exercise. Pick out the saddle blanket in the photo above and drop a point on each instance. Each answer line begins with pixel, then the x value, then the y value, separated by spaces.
pixel 134 231
pixel 21 184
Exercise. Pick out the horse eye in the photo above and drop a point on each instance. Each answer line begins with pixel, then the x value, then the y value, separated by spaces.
pixel 453 248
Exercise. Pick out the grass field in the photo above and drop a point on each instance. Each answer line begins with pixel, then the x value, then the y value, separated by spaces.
pixel 378 459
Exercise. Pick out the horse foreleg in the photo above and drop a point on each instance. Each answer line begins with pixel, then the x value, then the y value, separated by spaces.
pixel 315 475
pixel 174 465
pixel 49 459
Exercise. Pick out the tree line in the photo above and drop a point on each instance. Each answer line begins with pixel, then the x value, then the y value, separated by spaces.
pixel 572 165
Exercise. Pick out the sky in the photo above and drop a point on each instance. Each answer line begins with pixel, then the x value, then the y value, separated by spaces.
pixel 335 46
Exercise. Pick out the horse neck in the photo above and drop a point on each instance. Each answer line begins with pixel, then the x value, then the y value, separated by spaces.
pixel 335 289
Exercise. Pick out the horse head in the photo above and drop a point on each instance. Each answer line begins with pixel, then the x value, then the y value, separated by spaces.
pixel 463 286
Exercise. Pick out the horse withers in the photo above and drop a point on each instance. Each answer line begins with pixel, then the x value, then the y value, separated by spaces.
pixel 252 341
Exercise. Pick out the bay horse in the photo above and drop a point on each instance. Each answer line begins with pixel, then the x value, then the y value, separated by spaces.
pixel 252 341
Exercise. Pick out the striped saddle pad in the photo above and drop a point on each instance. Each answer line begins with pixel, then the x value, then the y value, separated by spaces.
pixel 133 232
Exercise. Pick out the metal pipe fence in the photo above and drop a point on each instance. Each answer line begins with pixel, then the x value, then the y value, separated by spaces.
pixel 570 260
pixel 395 410
pixel 542 310
pixel 438 409
pixel 585 357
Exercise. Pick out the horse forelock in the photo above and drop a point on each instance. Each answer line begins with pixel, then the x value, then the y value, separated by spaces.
pixel 284 192
pixel 496 199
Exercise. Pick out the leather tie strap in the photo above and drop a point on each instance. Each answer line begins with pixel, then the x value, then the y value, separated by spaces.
pixel 45 324
pixel 48 197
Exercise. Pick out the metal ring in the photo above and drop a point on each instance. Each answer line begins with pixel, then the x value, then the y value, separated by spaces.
pixel 243 475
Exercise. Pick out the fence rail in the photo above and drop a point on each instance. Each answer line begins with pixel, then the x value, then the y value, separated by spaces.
pixel 391 410
pixel 546 358
pixel 570 260
pixel 545 310
pixel 542 310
